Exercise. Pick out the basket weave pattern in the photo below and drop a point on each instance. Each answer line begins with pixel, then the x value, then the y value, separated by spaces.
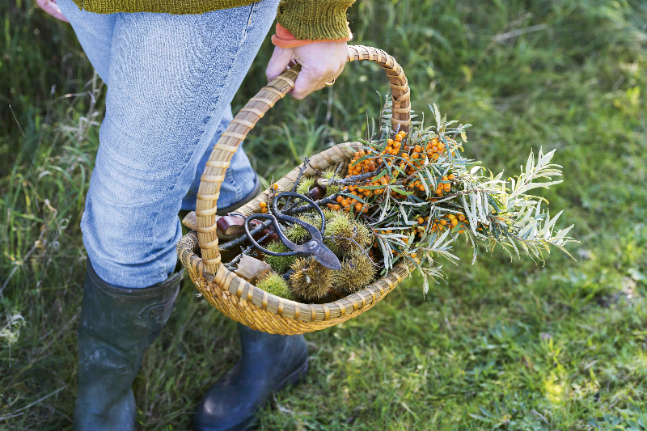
pixel 232 295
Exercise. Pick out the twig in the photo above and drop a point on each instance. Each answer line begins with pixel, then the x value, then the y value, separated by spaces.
pixel 320 202
pixel 338 170
pixel 351 181
pixel 304 166
pixel 241 239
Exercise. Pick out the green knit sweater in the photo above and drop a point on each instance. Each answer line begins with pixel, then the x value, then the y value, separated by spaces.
pixel 305 19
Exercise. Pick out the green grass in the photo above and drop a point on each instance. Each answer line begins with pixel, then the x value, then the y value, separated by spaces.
pixel 500 345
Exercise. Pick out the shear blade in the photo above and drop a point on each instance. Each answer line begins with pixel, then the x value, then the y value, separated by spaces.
pixel 327 258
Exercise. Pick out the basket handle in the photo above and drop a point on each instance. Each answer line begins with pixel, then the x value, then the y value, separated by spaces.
pixel 247 118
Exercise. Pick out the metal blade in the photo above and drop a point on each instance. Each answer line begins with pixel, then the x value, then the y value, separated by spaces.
pixel 327 258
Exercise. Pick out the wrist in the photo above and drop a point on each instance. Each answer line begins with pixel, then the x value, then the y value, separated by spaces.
pixel 285 39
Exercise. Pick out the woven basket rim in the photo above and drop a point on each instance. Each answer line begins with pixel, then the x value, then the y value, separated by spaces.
pixel 329 310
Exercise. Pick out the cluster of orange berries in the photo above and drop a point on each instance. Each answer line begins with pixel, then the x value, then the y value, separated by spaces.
pixel 363 167
pixel 394 146
pixel 263 205
pixel 347 203
pixel 433 149
pixel 451 222
pixel 445 186
pixel 359 192
pixel 357 167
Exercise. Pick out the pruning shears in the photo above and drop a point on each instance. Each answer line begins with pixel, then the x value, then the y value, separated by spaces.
pixel 313 247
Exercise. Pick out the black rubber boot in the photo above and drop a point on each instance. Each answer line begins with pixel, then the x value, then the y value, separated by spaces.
pixel 268 364
pixel 117 325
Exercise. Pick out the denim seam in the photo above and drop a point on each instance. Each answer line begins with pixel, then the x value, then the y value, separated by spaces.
pixel 206 124
pixel 229 173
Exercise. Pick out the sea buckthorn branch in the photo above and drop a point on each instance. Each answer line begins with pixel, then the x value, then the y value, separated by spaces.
pixel 417 194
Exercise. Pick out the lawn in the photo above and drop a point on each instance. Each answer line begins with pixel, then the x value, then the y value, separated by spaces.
pixel 501 344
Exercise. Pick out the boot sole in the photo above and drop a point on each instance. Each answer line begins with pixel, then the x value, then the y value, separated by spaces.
pixel 291 379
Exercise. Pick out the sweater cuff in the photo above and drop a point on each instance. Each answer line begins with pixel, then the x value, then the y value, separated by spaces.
pixel 284 39
pixel 315 19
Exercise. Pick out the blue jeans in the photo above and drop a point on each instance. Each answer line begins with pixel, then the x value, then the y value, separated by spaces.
pixel 171 79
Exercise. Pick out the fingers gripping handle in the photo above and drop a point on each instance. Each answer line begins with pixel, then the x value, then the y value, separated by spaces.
pixel 246 119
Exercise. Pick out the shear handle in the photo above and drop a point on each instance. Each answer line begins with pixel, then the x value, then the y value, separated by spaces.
pixel 309 201
pixel 289 244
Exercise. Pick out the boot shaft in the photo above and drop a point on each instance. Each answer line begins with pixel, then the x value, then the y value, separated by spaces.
pixel 116 328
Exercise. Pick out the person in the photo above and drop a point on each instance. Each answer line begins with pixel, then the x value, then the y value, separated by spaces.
pixel 172 68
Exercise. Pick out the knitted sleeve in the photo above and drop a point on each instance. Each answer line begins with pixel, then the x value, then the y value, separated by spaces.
pixel 315 19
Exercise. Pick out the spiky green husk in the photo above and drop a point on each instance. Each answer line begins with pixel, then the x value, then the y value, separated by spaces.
pixel 329 175
pixel 297 233
pixel 310 280
pixel 279 264
pixel 355 274
pixel 275 284
pixel 341 227
pixel 305 185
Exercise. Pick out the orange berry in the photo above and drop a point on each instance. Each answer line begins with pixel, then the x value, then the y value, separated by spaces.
pixel 275 186
pixel 447 187
pixel 339 199
pixel 358 207
pixel 262 204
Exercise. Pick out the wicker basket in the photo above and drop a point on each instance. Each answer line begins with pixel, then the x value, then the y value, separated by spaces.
pixel 198 251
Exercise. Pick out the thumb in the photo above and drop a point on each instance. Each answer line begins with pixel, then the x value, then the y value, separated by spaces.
pixel 278 63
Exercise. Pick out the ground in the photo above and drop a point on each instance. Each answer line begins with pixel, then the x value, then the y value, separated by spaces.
pixel 500 344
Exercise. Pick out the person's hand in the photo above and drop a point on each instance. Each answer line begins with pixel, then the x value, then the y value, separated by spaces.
pixel 321 62
pixel 50 7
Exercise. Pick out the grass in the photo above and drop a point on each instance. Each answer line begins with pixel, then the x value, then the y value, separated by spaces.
pixel 500 345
